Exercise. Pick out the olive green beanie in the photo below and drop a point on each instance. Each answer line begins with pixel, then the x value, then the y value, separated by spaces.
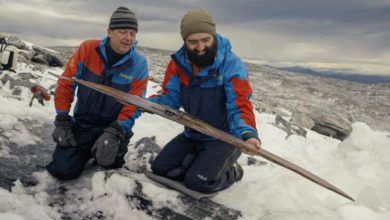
pixel 197 21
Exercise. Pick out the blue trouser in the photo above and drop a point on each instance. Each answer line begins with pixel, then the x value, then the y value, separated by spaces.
pixel 204 166
pixel 68 162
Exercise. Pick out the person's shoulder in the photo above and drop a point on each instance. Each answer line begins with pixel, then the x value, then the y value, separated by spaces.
pixel 138 55
pixel 232 58
pixel 90 43
pixel 233 66
pixel 225 48
pixel 232 61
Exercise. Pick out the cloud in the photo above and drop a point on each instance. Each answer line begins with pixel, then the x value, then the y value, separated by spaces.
pixel 306 31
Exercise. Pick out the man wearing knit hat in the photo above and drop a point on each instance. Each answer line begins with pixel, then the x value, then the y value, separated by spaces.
pixel 211 83
pixel 100 127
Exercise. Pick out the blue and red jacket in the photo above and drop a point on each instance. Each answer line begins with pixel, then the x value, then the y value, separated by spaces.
pixel 219 94
pixel 94 109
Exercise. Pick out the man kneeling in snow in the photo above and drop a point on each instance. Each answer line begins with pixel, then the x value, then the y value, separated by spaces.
pixel 100 126
pixel 211 83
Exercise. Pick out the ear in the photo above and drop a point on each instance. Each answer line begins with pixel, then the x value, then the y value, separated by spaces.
pixel 109 31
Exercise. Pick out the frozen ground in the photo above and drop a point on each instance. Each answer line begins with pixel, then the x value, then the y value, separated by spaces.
pixel 358 165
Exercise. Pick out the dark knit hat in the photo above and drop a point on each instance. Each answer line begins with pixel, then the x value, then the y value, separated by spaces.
pixel 197 21
pixel 123 18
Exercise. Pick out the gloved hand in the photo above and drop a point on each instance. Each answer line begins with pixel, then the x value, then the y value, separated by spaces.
pixel 110 148
pixel 63 134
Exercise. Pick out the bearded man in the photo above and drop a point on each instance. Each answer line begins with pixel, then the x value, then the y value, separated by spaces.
pixel 210 82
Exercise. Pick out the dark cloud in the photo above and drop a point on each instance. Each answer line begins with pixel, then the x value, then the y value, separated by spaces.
pixel 282 29
pixel 337 11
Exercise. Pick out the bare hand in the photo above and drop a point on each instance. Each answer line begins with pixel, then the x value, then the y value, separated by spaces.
pixel 255 143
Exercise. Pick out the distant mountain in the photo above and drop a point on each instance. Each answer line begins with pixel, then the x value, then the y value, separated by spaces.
pixel 339 75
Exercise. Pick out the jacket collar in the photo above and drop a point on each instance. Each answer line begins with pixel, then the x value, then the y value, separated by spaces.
pixel 103 53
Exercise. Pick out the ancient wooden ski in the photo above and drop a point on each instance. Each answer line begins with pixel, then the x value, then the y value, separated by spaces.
pixel 201 126
pixel 178 186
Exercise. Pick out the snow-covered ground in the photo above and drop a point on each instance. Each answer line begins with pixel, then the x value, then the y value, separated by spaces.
pixel 358 165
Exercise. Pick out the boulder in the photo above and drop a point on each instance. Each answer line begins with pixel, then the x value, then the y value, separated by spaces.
pixel 14 40
pixel 302 120
pixel 25 55
pixel 39 58
pixel 23 59
pixel 50 57
pixel 288 127
pixel 326 123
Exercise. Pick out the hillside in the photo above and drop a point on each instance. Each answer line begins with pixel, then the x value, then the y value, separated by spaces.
pixel 358 164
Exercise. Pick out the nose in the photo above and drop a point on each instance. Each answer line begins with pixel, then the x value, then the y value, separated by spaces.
pixel 128 36
pixel 200 46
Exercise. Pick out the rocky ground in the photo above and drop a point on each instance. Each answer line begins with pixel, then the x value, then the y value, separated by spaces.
pixel 325 105
pixel 318 103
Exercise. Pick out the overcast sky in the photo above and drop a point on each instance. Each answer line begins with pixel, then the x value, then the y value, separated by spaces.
pixel 344 34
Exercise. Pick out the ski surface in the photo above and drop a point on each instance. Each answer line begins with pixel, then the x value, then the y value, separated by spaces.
pixel 178 186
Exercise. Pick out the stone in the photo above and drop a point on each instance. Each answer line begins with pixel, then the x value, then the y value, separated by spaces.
pixel 326 123
pixel 302 120
pixel 39 58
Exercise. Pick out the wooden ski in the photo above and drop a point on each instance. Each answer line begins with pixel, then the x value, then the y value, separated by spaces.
pixel 178 186
pixel 201 126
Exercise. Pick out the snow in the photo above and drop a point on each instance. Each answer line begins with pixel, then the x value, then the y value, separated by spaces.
pixel 26 206
pixel 358 165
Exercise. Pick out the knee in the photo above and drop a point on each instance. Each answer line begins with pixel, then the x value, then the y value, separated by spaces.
pixel 158 168
pixel 198 182
pixel 63 172
pixel 175 173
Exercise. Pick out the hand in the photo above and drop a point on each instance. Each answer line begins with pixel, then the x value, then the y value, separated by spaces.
pixel 110 148
pixel 255 143
pixel 63 134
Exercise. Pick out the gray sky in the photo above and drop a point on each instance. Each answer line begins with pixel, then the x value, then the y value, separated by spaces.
pixel 337 34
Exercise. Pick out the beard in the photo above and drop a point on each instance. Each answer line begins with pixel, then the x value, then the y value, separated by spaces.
pixel 202 60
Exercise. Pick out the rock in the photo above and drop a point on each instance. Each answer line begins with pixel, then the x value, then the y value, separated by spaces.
pixel 6 78
pixel 56 61
pixel 288 127
pixel 147 145
pixel 302 120
pixel 28 55
pixel 23 59
pixel 253 161
pixel 146 151
pixel 329 124
pixel 22 79
pixel 26 76
pixel 17 91
pixel 39 58
pixel 50 57
pixel 35 54
pixel 263 106
pixel 333 126
pixel 14 40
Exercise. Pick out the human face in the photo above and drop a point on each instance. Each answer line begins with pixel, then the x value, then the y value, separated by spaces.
pixel 121 40
pixel 201 48
pixel 198 42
